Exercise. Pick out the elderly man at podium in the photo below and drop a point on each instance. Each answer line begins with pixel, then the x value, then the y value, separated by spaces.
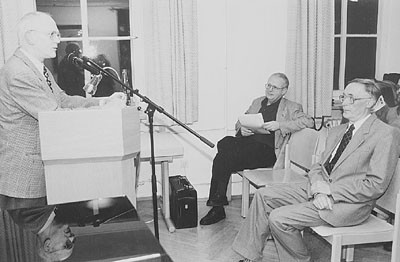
pixel 27 87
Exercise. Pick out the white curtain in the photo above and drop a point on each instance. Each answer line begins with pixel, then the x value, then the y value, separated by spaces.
pixel 171 58
pixel 10 12
pixel 388 51
pixel 310 54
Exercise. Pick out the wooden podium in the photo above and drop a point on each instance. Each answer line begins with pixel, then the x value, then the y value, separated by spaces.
pixel 90 153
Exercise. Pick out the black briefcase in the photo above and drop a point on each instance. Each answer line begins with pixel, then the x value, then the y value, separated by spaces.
pixel 183 202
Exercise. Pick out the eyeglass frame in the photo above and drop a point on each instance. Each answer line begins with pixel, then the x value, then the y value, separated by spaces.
pixel 269 86
pixel 54 35
pixel 352 99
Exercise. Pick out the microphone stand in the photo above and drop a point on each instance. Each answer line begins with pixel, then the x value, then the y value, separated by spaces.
pixel 151 108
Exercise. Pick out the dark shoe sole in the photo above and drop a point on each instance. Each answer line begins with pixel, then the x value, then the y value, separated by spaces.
pixel 207 223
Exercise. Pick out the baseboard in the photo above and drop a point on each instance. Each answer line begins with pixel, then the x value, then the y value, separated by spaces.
pixel 149 198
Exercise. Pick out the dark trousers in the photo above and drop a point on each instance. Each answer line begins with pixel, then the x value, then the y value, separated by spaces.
pixel 236 154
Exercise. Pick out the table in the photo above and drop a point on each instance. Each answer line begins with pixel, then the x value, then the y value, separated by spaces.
pixel 166 149
pixel 112 231
pixel 122 241
pixel 107 229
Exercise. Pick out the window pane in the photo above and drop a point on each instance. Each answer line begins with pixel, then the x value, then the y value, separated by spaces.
pixel 362 17
pixel 114 55
pixel 108 18
pixel 336 64
pixel 67 15
pixel 338 10
pixel 360 58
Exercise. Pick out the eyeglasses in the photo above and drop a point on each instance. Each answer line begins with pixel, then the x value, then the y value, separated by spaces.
pixel 55 35
pixel 272 87
pixel 351 98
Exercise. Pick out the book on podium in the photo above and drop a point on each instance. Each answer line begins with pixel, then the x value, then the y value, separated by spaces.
pixel 90 153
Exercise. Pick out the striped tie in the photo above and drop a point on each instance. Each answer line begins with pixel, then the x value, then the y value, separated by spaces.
pixel 345 140
pixel 46 75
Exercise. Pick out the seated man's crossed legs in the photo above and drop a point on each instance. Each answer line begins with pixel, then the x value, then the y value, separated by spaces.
pixel 234 154
pixel 283 212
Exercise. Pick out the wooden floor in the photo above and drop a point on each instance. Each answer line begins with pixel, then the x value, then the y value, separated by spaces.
pixel 213 243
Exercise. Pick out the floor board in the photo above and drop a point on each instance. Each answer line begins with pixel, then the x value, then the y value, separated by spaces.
pixel 213 243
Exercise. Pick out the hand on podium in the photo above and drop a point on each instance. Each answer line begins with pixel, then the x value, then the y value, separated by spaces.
pixel 118 99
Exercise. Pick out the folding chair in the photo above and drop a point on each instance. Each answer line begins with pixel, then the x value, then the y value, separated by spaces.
pixel 374 230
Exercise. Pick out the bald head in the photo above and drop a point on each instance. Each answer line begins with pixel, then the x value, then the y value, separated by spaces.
pixel 32 21
pixel 38 35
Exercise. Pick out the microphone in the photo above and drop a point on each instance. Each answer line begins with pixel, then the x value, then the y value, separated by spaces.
pixel 73 58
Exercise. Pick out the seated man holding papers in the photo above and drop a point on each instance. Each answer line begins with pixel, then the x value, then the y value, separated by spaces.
pixel 260 137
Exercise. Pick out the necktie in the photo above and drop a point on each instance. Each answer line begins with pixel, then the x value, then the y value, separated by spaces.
pixel 46 75
pixel 345 140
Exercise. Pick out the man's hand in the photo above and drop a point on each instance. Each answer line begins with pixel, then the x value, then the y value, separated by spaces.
pixel 271 125
pixel 245 131
pixel 323 201
pixel 320 187
pixel 118 99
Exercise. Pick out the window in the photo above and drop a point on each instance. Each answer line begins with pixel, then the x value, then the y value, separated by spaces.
pixel 355 40
pixel 102 30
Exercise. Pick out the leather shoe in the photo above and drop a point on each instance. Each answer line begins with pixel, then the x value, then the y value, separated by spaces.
pixel 213 216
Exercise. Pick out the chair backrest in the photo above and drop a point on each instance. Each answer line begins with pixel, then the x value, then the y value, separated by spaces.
pixel 388 200
pixel 301 148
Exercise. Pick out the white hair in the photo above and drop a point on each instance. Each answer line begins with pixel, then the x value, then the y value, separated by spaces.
pixel 30 21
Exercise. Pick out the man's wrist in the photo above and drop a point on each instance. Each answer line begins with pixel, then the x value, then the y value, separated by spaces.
pixel 102 101
pixel 316 194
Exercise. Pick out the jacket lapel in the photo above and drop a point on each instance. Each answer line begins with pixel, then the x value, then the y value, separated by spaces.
pixel 336 141
pixel 280 117
pixel 29 63
pixel 357 139
pixel 281 113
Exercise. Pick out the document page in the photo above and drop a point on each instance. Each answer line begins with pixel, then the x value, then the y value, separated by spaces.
pixel 253 122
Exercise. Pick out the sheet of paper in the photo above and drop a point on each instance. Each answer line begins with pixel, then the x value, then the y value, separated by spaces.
pixel 253 122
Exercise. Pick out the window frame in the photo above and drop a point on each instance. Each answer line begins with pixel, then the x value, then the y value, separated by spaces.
pixel 343 45
pixel 85 39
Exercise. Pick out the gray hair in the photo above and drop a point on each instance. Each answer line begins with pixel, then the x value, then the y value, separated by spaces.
pixel 370 86
pixel 30 21
pixel 283 77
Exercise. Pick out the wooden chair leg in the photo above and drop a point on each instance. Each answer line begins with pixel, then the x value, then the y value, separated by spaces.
pixel 245 196
pixel 349 253
pixel 229 190
pixel 336 254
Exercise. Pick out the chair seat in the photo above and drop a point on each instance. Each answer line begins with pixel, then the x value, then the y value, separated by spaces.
pixel 262 177
pixel 373 225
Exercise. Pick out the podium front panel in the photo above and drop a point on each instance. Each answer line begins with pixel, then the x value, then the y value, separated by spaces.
pixel 89 133
pixel 89 154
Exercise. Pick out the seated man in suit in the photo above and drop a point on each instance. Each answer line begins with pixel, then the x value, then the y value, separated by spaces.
pixel 355 169
pixel 251 149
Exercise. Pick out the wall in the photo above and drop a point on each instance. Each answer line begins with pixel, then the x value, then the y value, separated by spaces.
pixel 10 13
pixel 240 44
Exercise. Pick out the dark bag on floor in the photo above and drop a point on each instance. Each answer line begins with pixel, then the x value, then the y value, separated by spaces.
pixel 183 202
